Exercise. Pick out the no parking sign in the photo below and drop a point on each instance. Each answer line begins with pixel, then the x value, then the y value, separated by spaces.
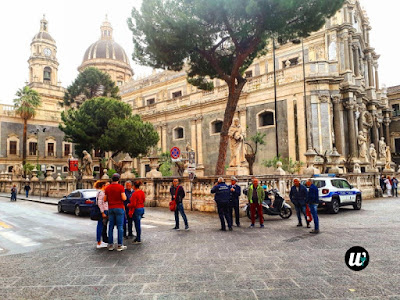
pixel 175 153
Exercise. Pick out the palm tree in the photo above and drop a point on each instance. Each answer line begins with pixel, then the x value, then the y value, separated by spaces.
pixel 25 106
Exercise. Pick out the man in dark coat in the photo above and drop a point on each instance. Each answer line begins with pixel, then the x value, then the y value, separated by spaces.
pixel 298 196
pixel 128 220
pixel 313 202
pixel 222 197
pixel 177 194
pixel 234 201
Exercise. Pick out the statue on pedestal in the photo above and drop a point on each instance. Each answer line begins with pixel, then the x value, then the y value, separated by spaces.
pixel 87 164
pixel 374 156
pixel 236 139
pixel 382 148
pixel 362 146
pixel 388 158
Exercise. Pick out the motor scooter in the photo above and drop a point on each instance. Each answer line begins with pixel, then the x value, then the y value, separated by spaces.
pixel 279 206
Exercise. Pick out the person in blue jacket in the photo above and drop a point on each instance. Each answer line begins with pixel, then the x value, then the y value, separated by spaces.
pixel 313 202
pixel 222 197
pixel 298 196
pixel 234 201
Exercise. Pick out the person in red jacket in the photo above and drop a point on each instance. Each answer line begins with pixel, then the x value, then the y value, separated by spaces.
pixel 136 209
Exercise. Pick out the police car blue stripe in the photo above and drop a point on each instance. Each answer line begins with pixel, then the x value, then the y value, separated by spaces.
pixel 340 193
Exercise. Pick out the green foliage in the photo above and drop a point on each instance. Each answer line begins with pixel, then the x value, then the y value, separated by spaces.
pixel 257 139
pixel 28 168
pixel 89 84
pixel 107 124
pixel 27 102
pixel 165 164
pixel 288 164
pixel 111 172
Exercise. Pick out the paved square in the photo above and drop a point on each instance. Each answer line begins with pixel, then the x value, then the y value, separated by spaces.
pixel 280 261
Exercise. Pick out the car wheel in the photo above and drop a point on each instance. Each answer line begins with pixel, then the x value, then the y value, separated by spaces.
pixel 357 205
pixel 59 208
pixel 77 211
pixel 286 212
pixel 334 208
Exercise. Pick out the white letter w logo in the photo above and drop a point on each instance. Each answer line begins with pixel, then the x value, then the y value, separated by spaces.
pixel 357 260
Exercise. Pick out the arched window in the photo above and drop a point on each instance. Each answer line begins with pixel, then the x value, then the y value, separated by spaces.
pixel 266 118
pixel 47 74
pixel 178 133
pixel 216 127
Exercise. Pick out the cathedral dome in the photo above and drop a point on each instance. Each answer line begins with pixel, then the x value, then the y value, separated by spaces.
pixel 108 56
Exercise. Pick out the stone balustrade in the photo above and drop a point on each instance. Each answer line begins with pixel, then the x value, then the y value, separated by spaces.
pixel 157 189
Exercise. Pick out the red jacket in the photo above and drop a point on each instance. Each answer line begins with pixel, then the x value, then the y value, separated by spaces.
pixel 136 201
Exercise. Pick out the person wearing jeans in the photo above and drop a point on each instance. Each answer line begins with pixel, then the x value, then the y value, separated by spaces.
pixel 136 209
pixel 27 188
pixel 298 196
pixel 101 232
pixel 313 202
pixel 177 194
pixel 115 196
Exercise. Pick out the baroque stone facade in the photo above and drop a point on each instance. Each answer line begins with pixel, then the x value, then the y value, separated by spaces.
pixel 342 97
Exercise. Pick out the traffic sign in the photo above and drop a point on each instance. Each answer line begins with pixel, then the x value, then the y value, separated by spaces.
pixel 175 152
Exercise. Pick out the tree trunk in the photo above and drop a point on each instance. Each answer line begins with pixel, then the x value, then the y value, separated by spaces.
pixel 24 144
pixel 233 99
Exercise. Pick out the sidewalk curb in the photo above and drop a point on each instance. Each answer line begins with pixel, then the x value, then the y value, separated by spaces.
pixel 32 200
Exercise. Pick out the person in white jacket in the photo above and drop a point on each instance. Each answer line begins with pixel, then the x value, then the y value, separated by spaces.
pixel 388 186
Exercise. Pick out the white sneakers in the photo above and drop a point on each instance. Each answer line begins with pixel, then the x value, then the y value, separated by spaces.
pixel 102 245
pixel 121 247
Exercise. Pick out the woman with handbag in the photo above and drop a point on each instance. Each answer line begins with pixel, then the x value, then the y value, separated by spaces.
pixel 101 231
pixel 136 209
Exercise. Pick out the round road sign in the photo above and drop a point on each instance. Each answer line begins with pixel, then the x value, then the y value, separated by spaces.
pixel 175 152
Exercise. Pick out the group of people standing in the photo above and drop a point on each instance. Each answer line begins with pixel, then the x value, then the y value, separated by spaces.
pixel 119 207
pixel 388 185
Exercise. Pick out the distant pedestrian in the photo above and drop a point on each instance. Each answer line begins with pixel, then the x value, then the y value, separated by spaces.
pixel 101 232
pixel 382 183
pixel 222 198
pixel 298 196
pixel 14 193
pixel 255 196
pixel 115 196
pixel 388 187
pixel 395 183
pixel 136 209
pixel 234 201
pixel 128 220
pixel 313 202
pixel 27 188
pixel 177 195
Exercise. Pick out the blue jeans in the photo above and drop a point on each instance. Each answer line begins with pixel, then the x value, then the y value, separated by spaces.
pixel 26 193
pixel 299 210
pixel 137 216
pixel 116 217
pixel 313 210
pixel 101 230
pixel 179 209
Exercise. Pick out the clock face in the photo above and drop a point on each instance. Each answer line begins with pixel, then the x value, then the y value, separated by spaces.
pixel 47 51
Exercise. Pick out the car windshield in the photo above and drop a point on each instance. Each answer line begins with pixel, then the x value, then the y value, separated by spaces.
pixel 89 194
pixel 317 183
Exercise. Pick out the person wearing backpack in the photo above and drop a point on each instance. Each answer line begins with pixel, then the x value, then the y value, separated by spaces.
pixel 101 231
pixel 177 195
pixel 14 193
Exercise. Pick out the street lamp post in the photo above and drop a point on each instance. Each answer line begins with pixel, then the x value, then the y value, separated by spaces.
pixel 36 132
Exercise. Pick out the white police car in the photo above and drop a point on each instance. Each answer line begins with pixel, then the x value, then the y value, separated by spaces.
pixel 335 192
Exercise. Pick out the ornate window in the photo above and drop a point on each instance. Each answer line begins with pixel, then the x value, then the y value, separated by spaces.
pixel 50 146
pixel 32 148
pixel 47 74
pixel 249 74
pixel 176 94
pixel 65 169
pixel 178 133
pixel 265 119
pixel 150 101
pixel 216 127
pixel 13 144
pixel 13 147
pixel 67 149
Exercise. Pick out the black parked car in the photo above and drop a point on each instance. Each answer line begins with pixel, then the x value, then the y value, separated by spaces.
pixel 78 201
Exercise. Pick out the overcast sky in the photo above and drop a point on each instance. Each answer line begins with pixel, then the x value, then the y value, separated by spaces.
pixel 76 24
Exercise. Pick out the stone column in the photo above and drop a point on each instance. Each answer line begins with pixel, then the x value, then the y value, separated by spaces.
pixel 387 121
pixel 346 52
pixel 193 135
pixel 356 61
pixel 370 72
pixel 349 105
pixel 337 121
pixel 381 134
pixel 199 135
pixel 164 136
pixel 375 135
pixel 376 76
pixel 351 57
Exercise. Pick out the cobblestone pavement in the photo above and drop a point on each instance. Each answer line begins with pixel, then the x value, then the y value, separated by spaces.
pixel 280 261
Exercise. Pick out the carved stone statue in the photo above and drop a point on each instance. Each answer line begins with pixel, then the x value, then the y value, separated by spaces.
pixel 17 170
pixel 236 139
pixel 388 158
pixel 87 164
pixel 373 155
pixel 362 146
pixel 382 148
